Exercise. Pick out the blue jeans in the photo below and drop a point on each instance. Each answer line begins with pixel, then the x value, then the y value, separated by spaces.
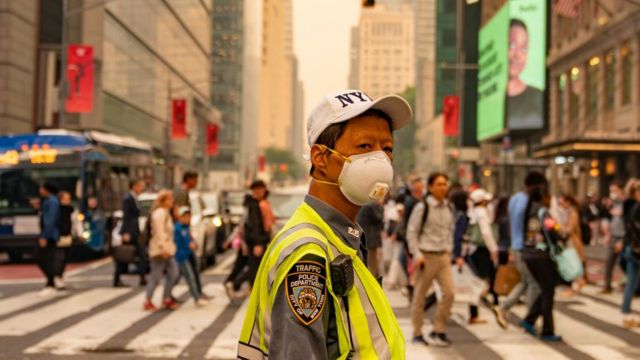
pixel 186 270
pixel 633 276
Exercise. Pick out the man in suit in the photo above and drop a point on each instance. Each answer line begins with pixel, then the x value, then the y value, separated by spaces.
pixel 130 232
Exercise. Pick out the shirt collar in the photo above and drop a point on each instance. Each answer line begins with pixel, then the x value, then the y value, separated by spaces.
pixel 433 202
pixel 346 229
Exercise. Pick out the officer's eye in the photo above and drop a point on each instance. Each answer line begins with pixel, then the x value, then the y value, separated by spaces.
pixel 364 146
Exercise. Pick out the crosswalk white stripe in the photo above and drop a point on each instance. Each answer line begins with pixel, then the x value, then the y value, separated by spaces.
pixel 226 344
pixel 509 344
pixel 169 337
pixel 20 302
pixel 604 313
pixel 224 267
pixel 94 331
pixel 28 322
pixel 614 298
pixel 583 337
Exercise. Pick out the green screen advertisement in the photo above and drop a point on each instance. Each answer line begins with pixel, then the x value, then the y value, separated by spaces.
pixel 512 69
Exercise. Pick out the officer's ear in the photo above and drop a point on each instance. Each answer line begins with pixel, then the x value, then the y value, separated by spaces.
pixel 320 161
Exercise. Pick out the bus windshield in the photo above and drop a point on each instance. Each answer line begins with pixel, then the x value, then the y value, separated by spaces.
pixel 19 187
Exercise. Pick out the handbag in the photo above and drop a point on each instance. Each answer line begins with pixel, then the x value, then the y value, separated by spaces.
pixel 507 277
pixel 569 264
pixel 567 260
pixel 65 241
pixel 124 253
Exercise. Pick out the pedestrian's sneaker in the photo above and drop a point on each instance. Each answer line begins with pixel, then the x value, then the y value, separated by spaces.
pixel 148 305
pixel 439 339
pixel 59 283
pixel 202 302
pixel 47 291
pixel 500 315
pixel 551 338
pixel 170 304
pixel 528 327
pixel 629 322
pixel 419 340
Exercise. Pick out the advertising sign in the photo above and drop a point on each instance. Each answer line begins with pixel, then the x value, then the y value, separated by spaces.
pixel 512 69
pixel 80 79
pixel 179 119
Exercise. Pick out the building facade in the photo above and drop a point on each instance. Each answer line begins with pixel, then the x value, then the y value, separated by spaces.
pixel 594 97
pixel 386 61
pixel 19 40
pixel 146 54
pixel 277 90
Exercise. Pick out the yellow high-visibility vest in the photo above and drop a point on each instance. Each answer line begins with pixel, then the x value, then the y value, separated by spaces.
pixel 375 330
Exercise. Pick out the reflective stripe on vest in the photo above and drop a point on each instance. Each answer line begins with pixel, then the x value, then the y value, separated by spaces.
pixel 376 333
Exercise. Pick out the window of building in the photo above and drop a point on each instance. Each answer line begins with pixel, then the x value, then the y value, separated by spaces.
pixel 562 85
pixel 574 96
pixel 609 79
pixel 626 58
pixel 593 84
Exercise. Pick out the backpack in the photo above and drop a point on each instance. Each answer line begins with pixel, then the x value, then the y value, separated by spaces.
pixel 633 231
pixel 425 213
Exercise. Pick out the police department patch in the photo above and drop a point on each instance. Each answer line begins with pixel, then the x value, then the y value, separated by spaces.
pixel 307 290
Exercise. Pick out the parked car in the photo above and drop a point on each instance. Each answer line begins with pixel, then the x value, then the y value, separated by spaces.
pixel 232 203
pixel 284 203
pixel 203 224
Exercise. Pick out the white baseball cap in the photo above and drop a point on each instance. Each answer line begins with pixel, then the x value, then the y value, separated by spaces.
pixel 346 104
pixel 480 195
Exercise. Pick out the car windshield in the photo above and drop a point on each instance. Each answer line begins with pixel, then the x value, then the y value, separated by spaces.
pixel 284 205
pixel 19 187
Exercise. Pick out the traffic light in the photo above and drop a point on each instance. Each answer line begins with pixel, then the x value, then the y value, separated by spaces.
pixel 368 3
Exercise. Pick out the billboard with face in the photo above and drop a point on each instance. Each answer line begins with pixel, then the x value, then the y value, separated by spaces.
pixel 512 69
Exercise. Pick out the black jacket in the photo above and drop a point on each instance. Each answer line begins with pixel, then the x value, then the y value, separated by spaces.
pixel 254 233
pixel 65 219
pixel 130 216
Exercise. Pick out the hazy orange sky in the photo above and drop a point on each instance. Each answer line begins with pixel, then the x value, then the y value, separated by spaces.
pixel 322 31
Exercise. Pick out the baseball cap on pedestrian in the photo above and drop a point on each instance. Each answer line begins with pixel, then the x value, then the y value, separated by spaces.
pixel 183 210
pixel 480 195
pixel 344 105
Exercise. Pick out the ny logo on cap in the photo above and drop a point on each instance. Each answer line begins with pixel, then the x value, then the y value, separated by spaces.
pixel 349 98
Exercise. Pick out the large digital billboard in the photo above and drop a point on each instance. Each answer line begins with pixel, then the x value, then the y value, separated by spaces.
pixel 512 70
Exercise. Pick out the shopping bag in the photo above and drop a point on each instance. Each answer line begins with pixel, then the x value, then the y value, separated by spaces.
pixel 569 264
pixel 65 241
pixel 507 277
pixel 467 284
pixel 124 253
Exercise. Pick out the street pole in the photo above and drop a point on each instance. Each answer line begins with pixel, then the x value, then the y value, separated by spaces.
pixel 167 133
pixel 63 66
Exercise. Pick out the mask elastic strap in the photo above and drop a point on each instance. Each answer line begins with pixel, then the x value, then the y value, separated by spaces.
pixel 326 182
pixel 335 152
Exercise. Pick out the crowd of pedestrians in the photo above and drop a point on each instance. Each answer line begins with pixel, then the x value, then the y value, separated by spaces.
pixel 433 234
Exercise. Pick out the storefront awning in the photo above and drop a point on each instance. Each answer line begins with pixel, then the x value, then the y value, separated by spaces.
pixel 586 147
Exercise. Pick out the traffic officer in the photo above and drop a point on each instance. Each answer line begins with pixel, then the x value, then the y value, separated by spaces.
pixel 314 297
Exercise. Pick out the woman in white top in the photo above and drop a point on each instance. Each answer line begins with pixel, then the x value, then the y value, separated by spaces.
pixel 482 253
pixel 162 249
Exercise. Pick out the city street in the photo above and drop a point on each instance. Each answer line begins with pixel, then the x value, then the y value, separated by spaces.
pixel 91 320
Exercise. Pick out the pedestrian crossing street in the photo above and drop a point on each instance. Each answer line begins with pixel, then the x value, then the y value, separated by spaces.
pixel 111 321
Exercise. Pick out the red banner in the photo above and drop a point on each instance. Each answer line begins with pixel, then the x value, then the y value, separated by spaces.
pixel 80 79
pixel 450 110
pixel 262 163
pixel 179 119
pixel 212 139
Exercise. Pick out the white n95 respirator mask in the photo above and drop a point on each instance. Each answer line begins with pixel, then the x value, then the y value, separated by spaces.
pixel 365 178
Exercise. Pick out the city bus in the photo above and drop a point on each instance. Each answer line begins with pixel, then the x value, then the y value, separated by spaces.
pixel 86 164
